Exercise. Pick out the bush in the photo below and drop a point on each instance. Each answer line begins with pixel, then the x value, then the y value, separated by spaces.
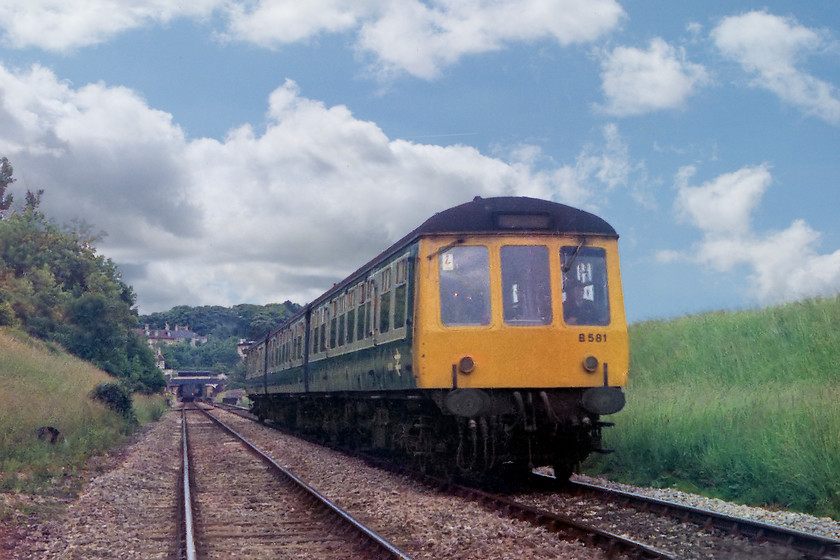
pixel 116 397
pixel 7 315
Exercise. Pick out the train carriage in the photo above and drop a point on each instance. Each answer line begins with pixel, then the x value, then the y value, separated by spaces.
pixel 492 338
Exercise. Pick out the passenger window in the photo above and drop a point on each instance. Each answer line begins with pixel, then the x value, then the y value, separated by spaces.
pixel 360 323
pixel 323 337
pixel 385 312
pixel 465 286
pixel 341 330
pixel 399 306
pixel 368 314
pixel 333 332
pixel 526 285
pixel 585 288
pixel 351 324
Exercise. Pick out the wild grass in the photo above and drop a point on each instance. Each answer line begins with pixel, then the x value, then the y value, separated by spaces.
pixel 150 408
pixel 42 386
pixel 743 406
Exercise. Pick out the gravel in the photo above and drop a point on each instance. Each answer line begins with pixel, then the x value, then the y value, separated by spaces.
pixel 128 510
pixel 125 512
pixel 824 526
pixel 422 522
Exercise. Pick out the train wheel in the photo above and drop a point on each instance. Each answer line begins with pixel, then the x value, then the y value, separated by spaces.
pixel 514 470
pixel 418 444
pixel 466 455
pixel 423 451
pixel 563 470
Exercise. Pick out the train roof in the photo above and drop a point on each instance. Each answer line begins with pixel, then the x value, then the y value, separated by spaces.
pixel 495 215
pixel 500 214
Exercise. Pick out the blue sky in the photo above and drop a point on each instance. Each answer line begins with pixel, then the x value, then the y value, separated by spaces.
pixel 259 151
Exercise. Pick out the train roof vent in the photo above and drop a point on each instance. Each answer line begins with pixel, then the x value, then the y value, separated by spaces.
pixel 523 221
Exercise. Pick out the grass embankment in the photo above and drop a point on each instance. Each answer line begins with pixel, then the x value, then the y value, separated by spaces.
pixel 40 385
pixel 742 406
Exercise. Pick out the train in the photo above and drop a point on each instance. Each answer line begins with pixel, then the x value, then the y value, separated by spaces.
pixel 490 340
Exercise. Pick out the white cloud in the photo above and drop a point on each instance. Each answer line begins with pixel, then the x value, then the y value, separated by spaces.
pixel 419 38
pixel 423 38
pixel 783 265
pixel 769 47
pixel 259 217
pixel 788 267
pixel 639 81
pixel 97 150
pixel 597 170
pixel 60 25
pixel 274 23
pixel 723 206
pixel 612 165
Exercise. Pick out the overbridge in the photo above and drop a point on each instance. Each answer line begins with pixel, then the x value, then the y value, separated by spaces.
pixel 189 385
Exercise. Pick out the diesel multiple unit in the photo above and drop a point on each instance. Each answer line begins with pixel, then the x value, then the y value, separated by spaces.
pixel 492 338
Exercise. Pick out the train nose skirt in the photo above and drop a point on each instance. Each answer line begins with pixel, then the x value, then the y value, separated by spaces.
pixel 468 402
pixel 603 400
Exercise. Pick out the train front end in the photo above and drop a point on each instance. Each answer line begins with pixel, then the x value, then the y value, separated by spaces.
pixel 520 331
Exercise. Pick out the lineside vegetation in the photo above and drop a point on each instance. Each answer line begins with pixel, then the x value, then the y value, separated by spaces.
pixel 55 286
pixel 41 385
pixel 59 297
pixel 742 406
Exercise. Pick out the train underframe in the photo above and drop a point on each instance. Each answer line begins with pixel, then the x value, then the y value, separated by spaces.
pixel 477 432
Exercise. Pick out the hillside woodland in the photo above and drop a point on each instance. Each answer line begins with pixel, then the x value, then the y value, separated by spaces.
pixel 56 287
pixel 224 327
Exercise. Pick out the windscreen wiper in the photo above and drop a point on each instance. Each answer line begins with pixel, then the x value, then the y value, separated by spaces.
pixel 568 265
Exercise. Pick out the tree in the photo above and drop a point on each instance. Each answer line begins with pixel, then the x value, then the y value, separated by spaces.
pixel 243 321
pixel 33 200
pixel 54 285
pixel 6 179
pixel 217 354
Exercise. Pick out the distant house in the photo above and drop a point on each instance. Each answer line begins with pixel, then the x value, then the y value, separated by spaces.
pixel 243 345
pixel 167 336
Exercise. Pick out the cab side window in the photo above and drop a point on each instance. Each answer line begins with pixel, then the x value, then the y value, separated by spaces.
pixel 585 288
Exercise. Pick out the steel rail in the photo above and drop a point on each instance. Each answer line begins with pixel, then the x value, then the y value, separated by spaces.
pixel 812 546
pixel 566 527
pixel 389 549
pixel 189 535
pixel 612 543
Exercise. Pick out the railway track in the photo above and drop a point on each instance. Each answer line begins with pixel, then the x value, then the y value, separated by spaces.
pixel 239 503
pixel 598 516
pixel 563 526
pixel 808 545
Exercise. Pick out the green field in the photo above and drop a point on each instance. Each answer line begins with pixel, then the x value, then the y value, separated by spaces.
pixel 743 406
pixel 40 385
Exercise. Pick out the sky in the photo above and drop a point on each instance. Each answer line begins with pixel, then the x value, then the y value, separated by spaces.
pixel 258 151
